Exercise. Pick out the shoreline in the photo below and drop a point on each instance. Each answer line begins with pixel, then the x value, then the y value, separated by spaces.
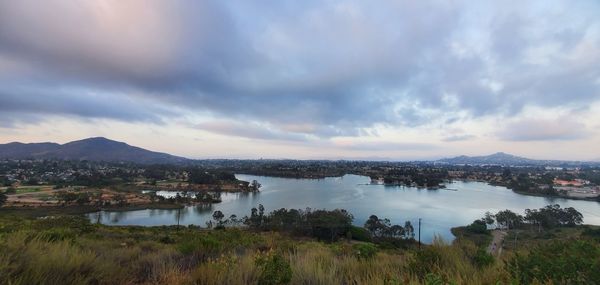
pixel 83 209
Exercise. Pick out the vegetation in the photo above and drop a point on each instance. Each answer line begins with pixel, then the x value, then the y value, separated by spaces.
pixel 551 216
pixel 218 174
pixel 60 249
pixel 575 262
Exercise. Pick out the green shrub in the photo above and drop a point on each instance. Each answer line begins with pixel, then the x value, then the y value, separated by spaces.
pixel 360 234
pixel 57 234
pixel 424 261
pixel 167 239
pixel 204 243
pixel 478 227
pixel 364 250
pixel 482 258
pixel 274 270
pixel 590 232
pixel 559 262
pixel 435 279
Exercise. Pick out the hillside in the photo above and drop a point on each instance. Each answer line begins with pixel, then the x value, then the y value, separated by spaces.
pixel 95 149
pixel 499 158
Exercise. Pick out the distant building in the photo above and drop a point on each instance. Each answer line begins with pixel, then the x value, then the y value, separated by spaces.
pixel 575 183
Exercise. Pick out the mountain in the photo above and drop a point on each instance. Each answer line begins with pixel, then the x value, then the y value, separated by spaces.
pixel 505 159
pixel 95 149
pixel 499 158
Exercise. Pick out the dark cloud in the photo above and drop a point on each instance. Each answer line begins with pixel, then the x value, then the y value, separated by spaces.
pixel 340 67
pixel 543 130
pixel 27 104
pixel 248 130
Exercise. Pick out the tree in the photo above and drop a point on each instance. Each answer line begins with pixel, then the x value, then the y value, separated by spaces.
pixel 3 198
pixel 200 176
pixel 534 217
pixel 508 219
pixel 478 227
pixel 233 220
pixel 409 230
pixel 373 225
pixel 553 216
pixel 66 196
pixel 218 217
pixel 254 185
pixel 120 199
pixel 489 218
pixel 83 198
pixel 573 217
pixel 397 231
pixel 329 225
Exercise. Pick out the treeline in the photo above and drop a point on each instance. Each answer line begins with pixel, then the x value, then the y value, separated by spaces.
pixel 64 173
pixel 324 225
pixel 419 176
pixel 539 185
pixel 548 217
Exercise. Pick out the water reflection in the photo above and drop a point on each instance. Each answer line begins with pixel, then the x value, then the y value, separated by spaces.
pixel 439 209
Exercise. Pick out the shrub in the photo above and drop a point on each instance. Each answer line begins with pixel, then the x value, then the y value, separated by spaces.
pixel 591 232
pixel 204 243
pixel 360 234
pixel 478 227
pixel 274 270
pixel 167 239
pixel 424 261
pixel 560 262
pixel 365 250
pixel 482 258
pixel 57 234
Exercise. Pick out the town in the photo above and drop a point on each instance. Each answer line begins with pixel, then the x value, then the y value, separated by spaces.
pixel 59 182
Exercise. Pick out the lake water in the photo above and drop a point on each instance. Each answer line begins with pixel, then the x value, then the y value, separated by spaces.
pixel 439 210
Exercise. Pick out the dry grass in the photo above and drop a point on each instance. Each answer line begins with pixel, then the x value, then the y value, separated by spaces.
pixel 71 251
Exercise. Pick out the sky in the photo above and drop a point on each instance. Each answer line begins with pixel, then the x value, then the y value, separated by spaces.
pixel 378 80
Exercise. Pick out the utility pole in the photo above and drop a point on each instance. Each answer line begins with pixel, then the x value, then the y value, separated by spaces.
pixel 419 233
pixel 178 216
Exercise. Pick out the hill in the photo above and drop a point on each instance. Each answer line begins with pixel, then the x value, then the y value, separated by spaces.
pixel 94 149
pixel 499 158
pixel 505 159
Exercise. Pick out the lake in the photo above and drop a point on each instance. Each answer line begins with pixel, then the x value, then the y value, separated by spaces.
pixel 439 210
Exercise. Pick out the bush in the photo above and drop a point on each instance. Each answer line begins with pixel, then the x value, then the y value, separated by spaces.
pixel 590 232
pixel 482 258
pixel 478 227
pixel 560 262
pixel 204 244
pixel 364 250
pixel 167 240
pixel 274 270
pixel 360 234
pixel 57 234
pixel 424 261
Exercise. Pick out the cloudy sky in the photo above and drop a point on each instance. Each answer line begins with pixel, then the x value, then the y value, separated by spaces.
pixel 305 79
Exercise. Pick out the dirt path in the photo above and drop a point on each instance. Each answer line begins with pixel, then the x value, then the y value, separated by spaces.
pixel 495 247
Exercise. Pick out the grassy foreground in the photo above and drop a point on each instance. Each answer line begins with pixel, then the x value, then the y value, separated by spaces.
pixel 70 250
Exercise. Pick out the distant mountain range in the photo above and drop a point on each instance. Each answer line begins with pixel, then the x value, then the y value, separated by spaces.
pixel 94 149
pixel 103 149
pixel 505 159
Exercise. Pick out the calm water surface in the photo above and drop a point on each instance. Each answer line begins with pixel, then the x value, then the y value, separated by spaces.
pixel 439 210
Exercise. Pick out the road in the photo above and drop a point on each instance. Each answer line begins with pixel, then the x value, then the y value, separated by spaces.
pixel 495 247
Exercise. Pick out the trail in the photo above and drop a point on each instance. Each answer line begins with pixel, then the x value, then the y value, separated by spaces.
pixel 495 247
